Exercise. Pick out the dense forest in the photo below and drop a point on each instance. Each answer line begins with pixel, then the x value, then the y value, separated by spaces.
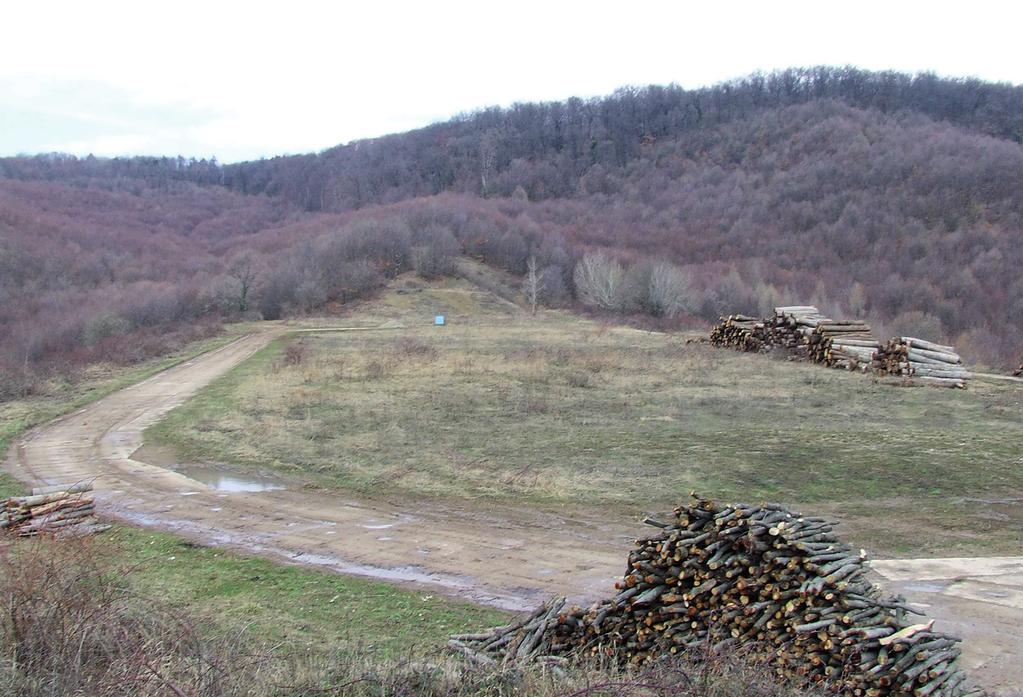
pixel 895 197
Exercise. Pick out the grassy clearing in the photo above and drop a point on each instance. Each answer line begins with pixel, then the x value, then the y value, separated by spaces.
pixel 556 410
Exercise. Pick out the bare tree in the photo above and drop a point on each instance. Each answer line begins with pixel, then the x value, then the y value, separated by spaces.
pixel 488 161
pixel 669 291
pixel 243 270
pixel 533 285
pixel 599 281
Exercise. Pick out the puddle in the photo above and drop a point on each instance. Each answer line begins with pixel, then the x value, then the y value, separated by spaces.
pixel 924 587
pixel 229 481
pixel 463 585
pixel 216 477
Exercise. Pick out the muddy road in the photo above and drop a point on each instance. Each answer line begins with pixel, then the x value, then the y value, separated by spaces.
pixel 505 556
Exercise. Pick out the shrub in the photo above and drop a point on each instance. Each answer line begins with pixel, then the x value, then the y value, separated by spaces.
pixel 295 353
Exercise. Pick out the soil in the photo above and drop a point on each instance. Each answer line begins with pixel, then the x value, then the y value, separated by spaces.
pixel 506 556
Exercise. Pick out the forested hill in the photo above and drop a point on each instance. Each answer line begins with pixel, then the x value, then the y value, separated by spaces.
pixel 547 149
pixel 881 195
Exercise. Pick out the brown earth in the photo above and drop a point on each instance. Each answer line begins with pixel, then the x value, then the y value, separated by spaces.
pixel 506 556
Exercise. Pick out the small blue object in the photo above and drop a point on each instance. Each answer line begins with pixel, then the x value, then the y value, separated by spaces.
pixel 439 320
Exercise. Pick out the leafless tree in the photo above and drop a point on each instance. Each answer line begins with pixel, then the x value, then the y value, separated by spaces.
pixel 243 271
pixel 669 291
pixel 488 162
pixel 599 281
pixel 533 285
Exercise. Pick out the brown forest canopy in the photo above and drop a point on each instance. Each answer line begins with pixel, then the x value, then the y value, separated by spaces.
pixel 882 194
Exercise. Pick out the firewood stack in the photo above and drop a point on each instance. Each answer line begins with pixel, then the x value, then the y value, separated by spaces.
pixel 722 577
pixel 845 344
pixel 55 510
pixel 791 326
pixel 741 332
pixel 921 361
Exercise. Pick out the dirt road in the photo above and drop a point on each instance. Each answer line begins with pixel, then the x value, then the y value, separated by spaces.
pixel 499 555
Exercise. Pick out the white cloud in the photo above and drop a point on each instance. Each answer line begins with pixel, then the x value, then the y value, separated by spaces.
pixel 256 78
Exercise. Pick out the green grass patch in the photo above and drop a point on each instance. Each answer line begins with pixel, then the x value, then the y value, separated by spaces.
pixel 299 607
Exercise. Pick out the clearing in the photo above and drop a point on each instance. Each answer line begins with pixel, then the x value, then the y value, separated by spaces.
pixel 504 458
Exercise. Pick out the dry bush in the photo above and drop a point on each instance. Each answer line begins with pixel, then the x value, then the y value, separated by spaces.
pixel 71 626
pixel 296 353
pixel 411 347
pixel 377 370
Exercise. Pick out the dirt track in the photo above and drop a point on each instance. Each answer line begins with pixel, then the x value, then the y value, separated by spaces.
pixel 499 555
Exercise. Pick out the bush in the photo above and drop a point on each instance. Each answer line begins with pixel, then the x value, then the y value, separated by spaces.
pixel 72 626
pixel 409 347
pixel 296 353
pixel 103 326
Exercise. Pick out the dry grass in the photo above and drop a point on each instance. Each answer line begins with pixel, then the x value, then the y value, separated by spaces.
pixel 559 410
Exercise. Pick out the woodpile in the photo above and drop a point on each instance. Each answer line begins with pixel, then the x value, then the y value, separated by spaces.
pixel 60 510
pixel 761 577
pixel 921 361
pixel 741 332
pixel 804 333
pixel 791 326
pixel 846 345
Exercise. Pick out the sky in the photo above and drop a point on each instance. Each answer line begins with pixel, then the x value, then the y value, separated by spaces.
pixel 244 80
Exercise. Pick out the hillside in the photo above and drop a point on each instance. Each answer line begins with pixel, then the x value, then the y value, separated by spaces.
pixel 894 197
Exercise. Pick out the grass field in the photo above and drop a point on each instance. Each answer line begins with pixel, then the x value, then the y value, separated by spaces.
pixel 555 410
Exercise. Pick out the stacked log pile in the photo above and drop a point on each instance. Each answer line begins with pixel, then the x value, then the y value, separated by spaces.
pixel 791 326
pixel 721 577
pixel 921 361
pixel 741 332
pixel 848 345
pixel 53 510
pixel 807 333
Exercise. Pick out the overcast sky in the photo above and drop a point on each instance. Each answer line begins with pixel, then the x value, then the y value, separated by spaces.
pixel 251 79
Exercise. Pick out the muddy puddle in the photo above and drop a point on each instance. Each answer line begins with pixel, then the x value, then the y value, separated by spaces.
pixel 218 477
pixel 229 481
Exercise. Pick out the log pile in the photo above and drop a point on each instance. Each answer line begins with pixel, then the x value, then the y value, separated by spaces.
pixel 741 332
pixel 791 326
pixel 58 510
pixel 921 361
pixel 721 577
pixel 848 345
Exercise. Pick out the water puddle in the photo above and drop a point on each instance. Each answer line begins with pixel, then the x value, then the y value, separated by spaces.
pixel 924 587
pixel 230 482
